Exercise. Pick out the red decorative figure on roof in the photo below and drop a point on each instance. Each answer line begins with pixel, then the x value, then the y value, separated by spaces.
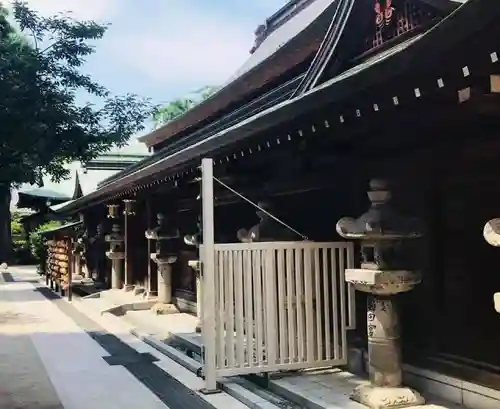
pixel 383 12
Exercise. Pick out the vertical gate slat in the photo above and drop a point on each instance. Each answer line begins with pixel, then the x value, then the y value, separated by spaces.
pixel 282 332
pixel 249 321
pixel 351 323
pixel 219 273
pixel 343 309
pixel 257 274
pixel 290 292
pixel 239 297
pixel 299 301
pixel 309 309
pixel 326 300
pixel 318 303
pixel 230 309
pixel 270 307
pixel 335 298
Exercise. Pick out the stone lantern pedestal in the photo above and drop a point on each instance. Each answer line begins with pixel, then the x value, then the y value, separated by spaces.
pixel 382 275
pixel 196 266
pixel 194 240
pixel 164 304
pixel 116 255
pixel 384 352
pixel 167 238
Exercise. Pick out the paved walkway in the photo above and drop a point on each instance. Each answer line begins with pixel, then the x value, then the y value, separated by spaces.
pixel 52 356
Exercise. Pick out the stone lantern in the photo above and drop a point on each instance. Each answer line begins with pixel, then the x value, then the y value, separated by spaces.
pixel 386 270
pixel 167 240
pixel 194 240
pixel 491 234
pixel 116 251
pixel 268 229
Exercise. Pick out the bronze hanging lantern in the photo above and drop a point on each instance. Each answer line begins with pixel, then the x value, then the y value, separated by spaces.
pixel 113 211
pixel 129 207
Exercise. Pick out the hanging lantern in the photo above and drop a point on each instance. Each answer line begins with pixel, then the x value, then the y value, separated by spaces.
pixel 113 211
pixel 129 207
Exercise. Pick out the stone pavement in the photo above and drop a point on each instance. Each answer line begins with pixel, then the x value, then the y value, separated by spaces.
pixel 54 357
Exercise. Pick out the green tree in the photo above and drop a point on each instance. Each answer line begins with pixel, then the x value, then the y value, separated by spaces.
pixel 179 106
pixel 16 228
pixel 42 126
pixel 36 242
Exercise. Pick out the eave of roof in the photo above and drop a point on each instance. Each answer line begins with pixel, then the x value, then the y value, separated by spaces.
pixel 261 103
pixel 62 229
pixel 378 69
pixel 44 193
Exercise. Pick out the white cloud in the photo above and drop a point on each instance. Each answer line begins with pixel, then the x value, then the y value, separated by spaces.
pixel 188 47
pixel 206 53
pixel 80 9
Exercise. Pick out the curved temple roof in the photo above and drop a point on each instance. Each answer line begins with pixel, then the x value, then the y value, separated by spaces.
pixel 378 69
pixel 282 35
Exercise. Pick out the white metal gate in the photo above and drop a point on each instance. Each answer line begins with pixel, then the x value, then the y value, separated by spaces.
pixel 277 306
pixel 271 306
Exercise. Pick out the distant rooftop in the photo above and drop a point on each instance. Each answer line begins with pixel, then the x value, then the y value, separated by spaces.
pixel 84 178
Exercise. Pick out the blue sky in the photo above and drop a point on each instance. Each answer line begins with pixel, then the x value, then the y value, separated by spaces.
pixel 163 49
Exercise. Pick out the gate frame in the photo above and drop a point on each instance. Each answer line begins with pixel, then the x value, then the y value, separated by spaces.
pixel 208 277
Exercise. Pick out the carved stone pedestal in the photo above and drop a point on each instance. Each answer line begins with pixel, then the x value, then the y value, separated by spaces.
pixel 196 266
pixel 384 352
pixel 164 305
pixel 116 269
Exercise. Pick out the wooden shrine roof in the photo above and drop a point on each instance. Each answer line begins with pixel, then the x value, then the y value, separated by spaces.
pixel 282 49
pixel 410 56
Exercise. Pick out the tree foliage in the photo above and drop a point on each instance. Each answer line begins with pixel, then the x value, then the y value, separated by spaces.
pixel 36 241
pixel 43 122
pixel 43 127
pixel 16 227
pixel 179 106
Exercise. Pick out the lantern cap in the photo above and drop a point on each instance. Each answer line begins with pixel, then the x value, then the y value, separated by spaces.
pixel 380 222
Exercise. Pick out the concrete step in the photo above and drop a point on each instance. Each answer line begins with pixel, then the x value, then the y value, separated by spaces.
pixel 120 302
pixel 238 387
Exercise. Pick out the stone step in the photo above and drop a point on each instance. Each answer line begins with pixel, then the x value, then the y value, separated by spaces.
pixel 331 388
pixel 240 388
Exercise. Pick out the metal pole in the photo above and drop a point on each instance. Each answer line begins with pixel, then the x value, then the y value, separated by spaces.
pixel 149 287
pixel 125 236
pixel 208 276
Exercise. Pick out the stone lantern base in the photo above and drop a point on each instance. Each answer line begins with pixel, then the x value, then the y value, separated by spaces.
pixel 196 266
pixel 164 305
pixel 377 397
pixel 164 309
